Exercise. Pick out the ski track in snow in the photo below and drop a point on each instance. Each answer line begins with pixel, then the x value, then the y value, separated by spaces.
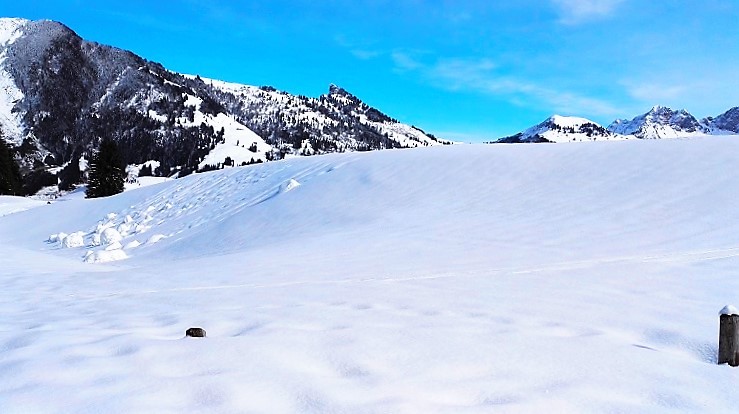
pixel 465 279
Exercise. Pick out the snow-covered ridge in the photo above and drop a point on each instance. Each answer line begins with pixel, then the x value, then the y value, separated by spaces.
pixel 658 123
pixel 559 128
pixel 324 112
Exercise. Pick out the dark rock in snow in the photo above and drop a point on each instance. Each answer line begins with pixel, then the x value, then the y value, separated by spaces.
pixel 195 333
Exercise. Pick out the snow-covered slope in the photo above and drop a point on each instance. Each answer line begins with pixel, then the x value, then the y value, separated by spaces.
pixel 10 204
pixel 562 129
pixel 461 279
pixel 659 122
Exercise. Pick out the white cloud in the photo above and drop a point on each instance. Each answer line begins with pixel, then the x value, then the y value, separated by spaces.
pixel 656 93
pixel 578 11
pixel 480 75
pixel 404 61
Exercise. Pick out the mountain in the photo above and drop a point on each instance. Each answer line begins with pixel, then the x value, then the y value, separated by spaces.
pixel 726 122
pixel 659 122
pixel 561 129
pixel 61 95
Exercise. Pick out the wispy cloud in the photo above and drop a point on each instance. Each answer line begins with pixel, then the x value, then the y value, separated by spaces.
pixel 656 93
pixel 364 54
pixel 360 49
pixel 403 61
pixel 482 76
pixel 701 96
pixel 578 11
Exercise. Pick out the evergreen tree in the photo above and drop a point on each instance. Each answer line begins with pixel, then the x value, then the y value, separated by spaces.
pixel 145 171
pixel 10 177
pixel 71 175
pixel 107 174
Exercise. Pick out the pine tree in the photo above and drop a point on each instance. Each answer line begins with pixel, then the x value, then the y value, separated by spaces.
pixel 107 174
pixel 10 177
pixel 71 175
pixel 145 171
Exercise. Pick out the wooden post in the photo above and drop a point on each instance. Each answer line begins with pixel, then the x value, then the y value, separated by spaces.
pixel 728 336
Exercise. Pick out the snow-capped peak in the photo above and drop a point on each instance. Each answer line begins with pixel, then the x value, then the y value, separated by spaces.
pixel 558 128
pixel 569 121
pixel 659 122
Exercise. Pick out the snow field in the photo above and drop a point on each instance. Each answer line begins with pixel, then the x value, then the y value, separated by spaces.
pixel 10 205
pixel 460 279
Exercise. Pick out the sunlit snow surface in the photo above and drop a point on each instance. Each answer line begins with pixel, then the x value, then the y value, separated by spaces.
pixel 461 279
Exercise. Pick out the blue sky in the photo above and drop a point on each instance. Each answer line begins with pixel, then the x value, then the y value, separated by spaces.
pixel 466 70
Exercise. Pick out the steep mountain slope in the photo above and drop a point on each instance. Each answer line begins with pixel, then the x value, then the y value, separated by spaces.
pixel 726 122
pixel 562 129
pixel 62 94
pixel 659 122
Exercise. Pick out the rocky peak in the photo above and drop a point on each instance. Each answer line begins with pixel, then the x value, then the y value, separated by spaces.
pixel 728 121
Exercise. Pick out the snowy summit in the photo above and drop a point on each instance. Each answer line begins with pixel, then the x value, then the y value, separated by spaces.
pixel 562 129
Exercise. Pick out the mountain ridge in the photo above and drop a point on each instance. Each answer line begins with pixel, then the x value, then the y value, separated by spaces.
pixel 63 94
pixel 660 122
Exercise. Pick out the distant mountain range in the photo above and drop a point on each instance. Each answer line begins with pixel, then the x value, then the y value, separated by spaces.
pixel 658 123
pixel 60 95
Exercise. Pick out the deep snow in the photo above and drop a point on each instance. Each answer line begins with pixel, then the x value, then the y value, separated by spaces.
pixel 518 278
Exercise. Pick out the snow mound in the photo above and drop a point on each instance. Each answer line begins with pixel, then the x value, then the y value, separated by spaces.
pixel 76 239
pixel 132 244
pixel 104 256
pixel 110 236
pixel 114 246
pixel 156 238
